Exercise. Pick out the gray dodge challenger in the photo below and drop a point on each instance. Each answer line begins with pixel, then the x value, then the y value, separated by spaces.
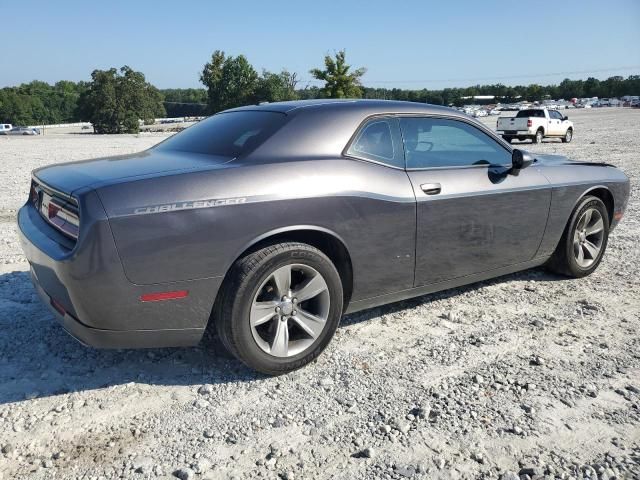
pixel 272 221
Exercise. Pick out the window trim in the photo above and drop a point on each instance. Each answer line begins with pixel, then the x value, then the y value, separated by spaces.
pixel 396 137
pixel 480 127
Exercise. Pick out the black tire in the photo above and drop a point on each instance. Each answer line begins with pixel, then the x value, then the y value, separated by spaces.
pixel 568 136
pixel 563 260
pixel 233 306
pixel 538 136
pixel 507 139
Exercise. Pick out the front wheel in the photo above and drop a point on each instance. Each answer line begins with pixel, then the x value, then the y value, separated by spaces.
pixel 568 136
pixel 280 307
pixel 584 240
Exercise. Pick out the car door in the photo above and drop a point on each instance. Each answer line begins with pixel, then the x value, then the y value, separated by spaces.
pixel 472 214
pixel 555 123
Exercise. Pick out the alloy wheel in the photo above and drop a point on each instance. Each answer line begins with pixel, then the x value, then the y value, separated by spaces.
pixel 289 310
pixel 588 237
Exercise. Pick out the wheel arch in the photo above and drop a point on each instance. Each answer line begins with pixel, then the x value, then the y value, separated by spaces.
pixel 604 194
pixel 325 240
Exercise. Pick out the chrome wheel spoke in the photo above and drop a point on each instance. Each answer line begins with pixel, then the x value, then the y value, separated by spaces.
pixel 586 219
pixel 262 312
pixel 311 324
pixel 280 345
pixel 314 287
pixel 580 255
pixel 597 227
pixel 282 280
pixel 591 249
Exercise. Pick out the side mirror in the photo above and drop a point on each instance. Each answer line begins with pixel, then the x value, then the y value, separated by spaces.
pixel 565 118
pixel 519 160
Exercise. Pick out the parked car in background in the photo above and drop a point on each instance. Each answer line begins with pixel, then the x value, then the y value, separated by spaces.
pixel 535 124
pixel 5 127
pixel 21 131
pixel 272 221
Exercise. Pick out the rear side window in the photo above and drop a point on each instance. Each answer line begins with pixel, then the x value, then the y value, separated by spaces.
pixel 230 134
pixel 378 140
pixel 438 142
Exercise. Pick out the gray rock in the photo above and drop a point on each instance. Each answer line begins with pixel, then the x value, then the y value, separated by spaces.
pixel 143 465
pixel 201 403
pixel 205 390
pixel 532 471
pixel 184 474
pixel 368 452
pixel 509 475
pixel 408 471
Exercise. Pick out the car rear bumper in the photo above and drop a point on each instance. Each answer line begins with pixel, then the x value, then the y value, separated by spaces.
pixel 99 338
pixel 88 293
pixel 515 133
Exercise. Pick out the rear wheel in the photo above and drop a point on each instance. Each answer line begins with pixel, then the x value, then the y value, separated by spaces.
pixel 568 136
pixel 584 240
pixel 280 307
pixel 538 137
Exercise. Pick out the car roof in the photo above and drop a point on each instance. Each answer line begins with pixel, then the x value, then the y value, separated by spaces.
pixel 364 106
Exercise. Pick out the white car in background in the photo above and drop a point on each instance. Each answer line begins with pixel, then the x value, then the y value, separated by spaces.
pixel 5 127
pixel 536 124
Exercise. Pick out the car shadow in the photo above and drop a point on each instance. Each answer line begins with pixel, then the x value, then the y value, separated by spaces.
pixel 39 359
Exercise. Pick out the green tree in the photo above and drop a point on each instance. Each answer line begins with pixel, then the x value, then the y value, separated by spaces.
pixel 276 87
pixel 115 102
pixel 230 81
pixel 339 82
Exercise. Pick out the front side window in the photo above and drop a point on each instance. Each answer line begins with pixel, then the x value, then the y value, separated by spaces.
pixel 555 115
pixel 438 142
pixel 378 141
pixel 230 134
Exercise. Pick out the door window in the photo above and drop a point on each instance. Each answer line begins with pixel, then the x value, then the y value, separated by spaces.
pixel 438 142
pixel 555 115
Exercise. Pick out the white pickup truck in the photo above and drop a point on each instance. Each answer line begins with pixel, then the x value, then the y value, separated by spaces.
pixel 536 124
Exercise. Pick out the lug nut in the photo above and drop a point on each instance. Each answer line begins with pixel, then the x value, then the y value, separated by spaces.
pixel 295 301
pixel 295 312
pixel 278 309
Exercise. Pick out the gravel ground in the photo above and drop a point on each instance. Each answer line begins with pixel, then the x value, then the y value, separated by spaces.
pixel 526 376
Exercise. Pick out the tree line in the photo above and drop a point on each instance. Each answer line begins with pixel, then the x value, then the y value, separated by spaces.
pixel 116 100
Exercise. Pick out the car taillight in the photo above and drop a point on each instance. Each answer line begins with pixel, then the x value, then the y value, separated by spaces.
pixel 60 212
pixel 529 123
pixel 61 215
pixel 33 194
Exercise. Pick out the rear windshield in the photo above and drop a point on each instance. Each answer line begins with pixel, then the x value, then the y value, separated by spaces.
pixel 530 113
pixel 230 134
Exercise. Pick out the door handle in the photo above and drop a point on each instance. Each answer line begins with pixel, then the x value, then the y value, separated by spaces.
pixel 431 188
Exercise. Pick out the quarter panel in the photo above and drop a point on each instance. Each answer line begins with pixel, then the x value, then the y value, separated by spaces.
pixel 571 182
pixel 370 207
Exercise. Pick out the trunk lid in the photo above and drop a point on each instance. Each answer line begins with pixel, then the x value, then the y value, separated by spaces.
pixel 70 177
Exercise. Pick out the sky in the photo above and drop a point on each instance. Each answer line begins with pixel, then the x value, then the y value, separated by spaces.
pixel 403 44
